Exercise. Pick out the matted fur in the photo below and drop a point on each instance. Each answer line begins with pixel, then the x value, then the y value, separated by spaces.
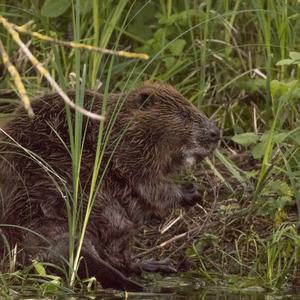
pixel 156 133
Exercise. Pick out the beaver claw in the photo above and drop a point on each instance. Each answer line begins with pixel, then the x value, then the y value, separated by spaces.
pixel 190 195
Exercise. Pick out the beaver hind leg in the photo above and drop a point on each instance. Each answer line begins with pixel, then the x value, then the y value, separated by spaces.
pixel 50 243
pixel 164 266
pixel 106 274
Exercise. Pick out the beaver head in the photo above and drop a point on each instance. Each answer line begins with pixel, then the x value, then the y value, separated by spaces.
pixel 165 132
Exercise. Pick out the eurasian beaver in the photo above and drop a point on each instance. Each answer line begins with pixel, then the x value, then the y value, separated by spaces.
pixel 149 134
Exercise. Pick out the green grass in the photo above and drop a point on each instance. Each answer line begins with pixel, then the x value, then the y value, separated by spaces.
pixel 223 56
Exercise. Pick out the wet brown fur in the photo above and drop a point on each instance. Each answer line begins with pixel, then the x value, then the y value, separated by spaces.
pixel 159 131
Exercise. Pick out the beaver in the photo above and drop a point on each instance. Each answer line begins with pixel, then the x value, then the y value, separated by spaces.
pixel 149 134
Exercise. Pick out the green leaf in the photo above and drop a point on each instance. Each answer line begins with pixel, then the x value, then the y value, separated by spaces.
pixel 55 8
pixel 276 138
pixel 281 188
pixel 294 55
pixel 169 61
pixel 39 268
pixel 140 26
pixel 275 87
pixel 280 137
pixel 258 150
pixel 285 62
pixel 180 19
pixel 296 137
pixel 177 46
pixel 205 241
pixel 246 139
pixel 85 6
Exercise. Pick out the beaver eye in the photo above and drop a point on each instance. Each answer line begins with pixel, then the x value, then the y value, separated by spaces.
pixel 144 100
pixel 185 115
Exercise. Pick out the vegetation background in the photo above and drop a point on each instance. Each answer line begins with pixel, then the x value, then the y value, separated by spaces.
pixel 238 61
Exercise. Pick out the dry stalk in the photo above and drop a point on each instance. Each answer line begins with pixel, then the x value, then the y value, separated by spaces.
pixel 188 235
pixel 44 72
pixel 23 29
pixel 162 245
pixel 17 79
pixel 170 224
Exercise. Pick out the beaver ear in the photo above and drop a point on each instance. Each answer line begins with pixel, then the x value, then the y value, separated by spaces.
pixel 144 100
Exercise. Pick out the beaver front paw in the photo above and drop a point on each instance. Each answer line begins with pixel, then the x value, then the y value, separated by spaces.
pixel 190 195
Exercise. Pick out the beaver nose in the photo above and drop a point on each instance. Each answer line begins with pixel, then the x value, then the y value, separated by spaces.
pixel 214 134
